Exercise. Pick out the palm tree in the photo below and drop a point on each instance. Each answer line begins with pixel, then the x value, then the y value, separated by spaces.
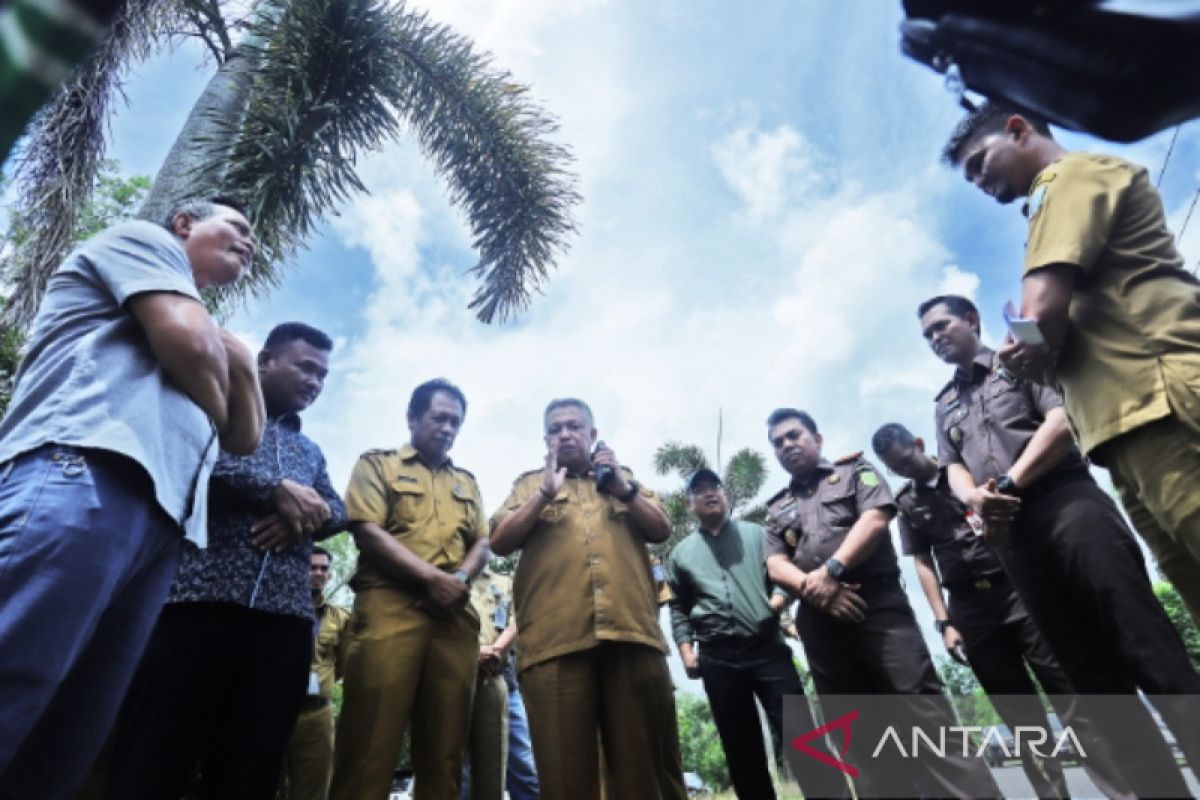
pixel 307 88
pixel 743 477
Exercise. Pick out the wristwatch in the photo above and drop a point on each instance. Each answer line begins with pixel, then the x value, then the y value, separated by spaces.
pixel 463 576
pixel 835 568
pixel 941 625
pixel 632 493
pixel 1008 486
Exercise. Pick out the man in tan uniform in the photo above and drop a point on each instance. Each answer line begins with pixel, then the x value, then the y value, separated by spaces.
pixel 308 763
pixel 593 659
pixel 419 525
pixel 1120 316
pixel 487 742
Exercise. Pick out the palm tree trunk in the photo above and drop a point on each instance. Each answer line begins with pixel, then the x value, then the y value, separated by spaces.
pixel 206 136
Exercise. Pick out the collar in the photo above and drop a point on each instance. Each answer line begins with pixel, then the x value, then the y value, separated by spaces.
pixel 409 454
pixel 822 469
pixel 289 420
pixel 981 365
pixel 724 527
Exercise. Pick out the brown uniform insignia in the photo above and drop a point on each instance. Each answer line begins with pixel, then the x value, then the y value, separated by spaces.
pixel 956 435
pixel 790 537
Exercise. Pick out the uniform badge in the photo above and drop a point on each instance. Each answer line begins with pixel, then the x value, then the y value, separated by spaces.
pixel 868 478
pixel 790 537
pixel 834 478
pixel 956 435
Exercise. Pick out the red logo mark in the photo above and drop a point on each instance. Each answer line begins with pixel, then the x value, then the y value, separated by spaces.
pixel 800 743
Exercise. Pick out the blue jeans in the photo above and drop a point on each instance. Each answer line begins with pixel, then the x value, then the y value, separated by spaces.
pixel 86 558
pixel 521 779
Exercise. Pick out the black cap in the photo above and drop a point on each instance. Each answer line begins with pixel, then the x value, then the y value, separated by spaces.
pixel 703 475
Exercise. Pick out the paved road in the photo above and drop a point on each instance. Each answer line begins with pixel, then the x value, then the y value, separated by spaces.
pixel 1013 783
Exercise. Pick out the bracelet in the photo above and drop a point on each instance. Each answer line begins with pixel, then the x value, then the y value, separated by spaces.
pixel 549 497
pixel 632 493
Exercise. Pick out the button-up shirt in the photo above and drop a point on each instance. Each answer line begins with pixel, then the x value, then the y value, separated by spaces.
pixel 329 646
pixel 719 584
pixel 241 492
pixel 1135 310
pixel 933 520
pixel 986 417
pixel 809 520
pixel 436 513
pixel 584 575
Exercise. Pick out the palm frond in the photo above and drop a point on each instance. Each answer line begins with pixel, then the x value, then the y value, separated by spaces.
pixel 745 475
pixel 336 78
pixel 56 169
pixel 681 459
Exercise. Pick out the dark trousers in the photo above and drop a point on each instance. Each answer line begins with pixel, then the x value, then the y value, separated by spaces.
pixel 86 558
pixel 885 654
pixel 737 670
pixel 1078 570
pixel 1000 639
pixel 218 690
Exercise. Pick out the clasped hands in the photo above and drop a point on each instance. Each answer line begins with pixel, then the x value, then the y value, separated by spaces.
pixel 299 513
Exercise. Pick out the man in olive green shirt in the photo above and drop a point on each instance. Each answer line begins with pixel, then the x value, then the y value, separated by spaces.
pixel 1119 314
pixel 718 579
pixel 421 532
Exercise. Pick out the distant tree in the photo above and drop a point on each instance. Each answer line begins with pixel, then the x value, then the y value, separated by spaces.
pixel 744 476
pixel 699 743
pixel 114 198
pixel 968 696
pixel 1178 613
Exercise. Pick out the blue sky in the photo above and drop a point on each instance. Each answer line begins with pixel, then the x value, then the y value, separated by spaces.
pixel 764 209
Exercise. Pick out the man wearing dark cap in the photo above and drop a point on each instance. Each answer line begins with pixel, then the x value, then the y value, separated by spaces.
pixel 718 579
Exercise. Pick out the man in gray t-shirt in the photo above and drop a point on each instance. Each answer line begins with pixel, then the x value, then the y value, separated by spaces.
pixel 126 393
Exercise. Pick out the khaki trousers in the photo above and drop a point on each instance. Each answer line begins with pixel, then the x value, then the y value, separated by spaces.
pixel 1156 469
pixel 404 665
pixel 614 696
pixel 308 763
pixel 488 740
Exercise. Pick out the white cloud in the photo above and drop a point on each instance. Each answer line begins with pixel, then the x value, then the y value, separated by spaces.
pixel 767 169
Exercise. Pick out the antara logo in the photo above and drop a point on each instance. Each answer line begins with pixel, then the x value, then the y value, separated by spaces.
pixel 1025 740
pixel 842 723
pixel 954 738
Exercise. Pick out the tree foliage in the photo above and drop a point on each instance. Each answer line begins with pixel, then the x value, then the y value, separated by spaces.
pixel 1179 616
pixel 113 198
pixel 744 476
pixel 324 81
pixel 699 743
pixel 969 698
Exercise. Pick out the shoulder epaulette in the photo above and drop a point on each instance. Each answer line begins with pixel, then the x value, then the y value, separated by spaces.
pixel 529 472
pixel 850 458
pixel 777 496
pixel 379 452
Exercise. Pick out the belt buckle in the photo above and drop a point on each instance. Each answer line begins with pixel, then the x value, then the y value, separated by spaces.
pixel 983 583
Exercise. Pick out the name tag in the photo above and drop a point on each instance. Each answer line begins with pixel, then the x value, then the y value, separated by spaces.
pixel 314 684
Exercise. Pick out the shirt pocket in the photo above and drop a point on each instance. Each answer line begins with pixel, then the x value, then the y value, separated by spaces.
pixel 555 510
pixel 410 503
pixel 1009 403
pixel 838 511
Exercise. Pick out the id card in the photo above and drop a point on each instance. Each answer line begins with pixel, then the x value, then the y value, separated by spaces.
pixel 314 684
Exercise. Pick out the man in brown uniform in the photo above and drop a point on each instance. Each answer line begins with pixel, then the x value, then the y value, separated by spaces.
pixel 986 625
pixel 827 543
pixel 593 659
pixel 308 763
pixel 1009 457
pixel 1120 315
pixel 420 528
pixel 487 743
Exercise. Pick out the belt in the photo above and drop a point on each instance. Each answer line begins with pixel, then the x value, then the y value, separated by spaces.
pixel 769 632
pixel 313 703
